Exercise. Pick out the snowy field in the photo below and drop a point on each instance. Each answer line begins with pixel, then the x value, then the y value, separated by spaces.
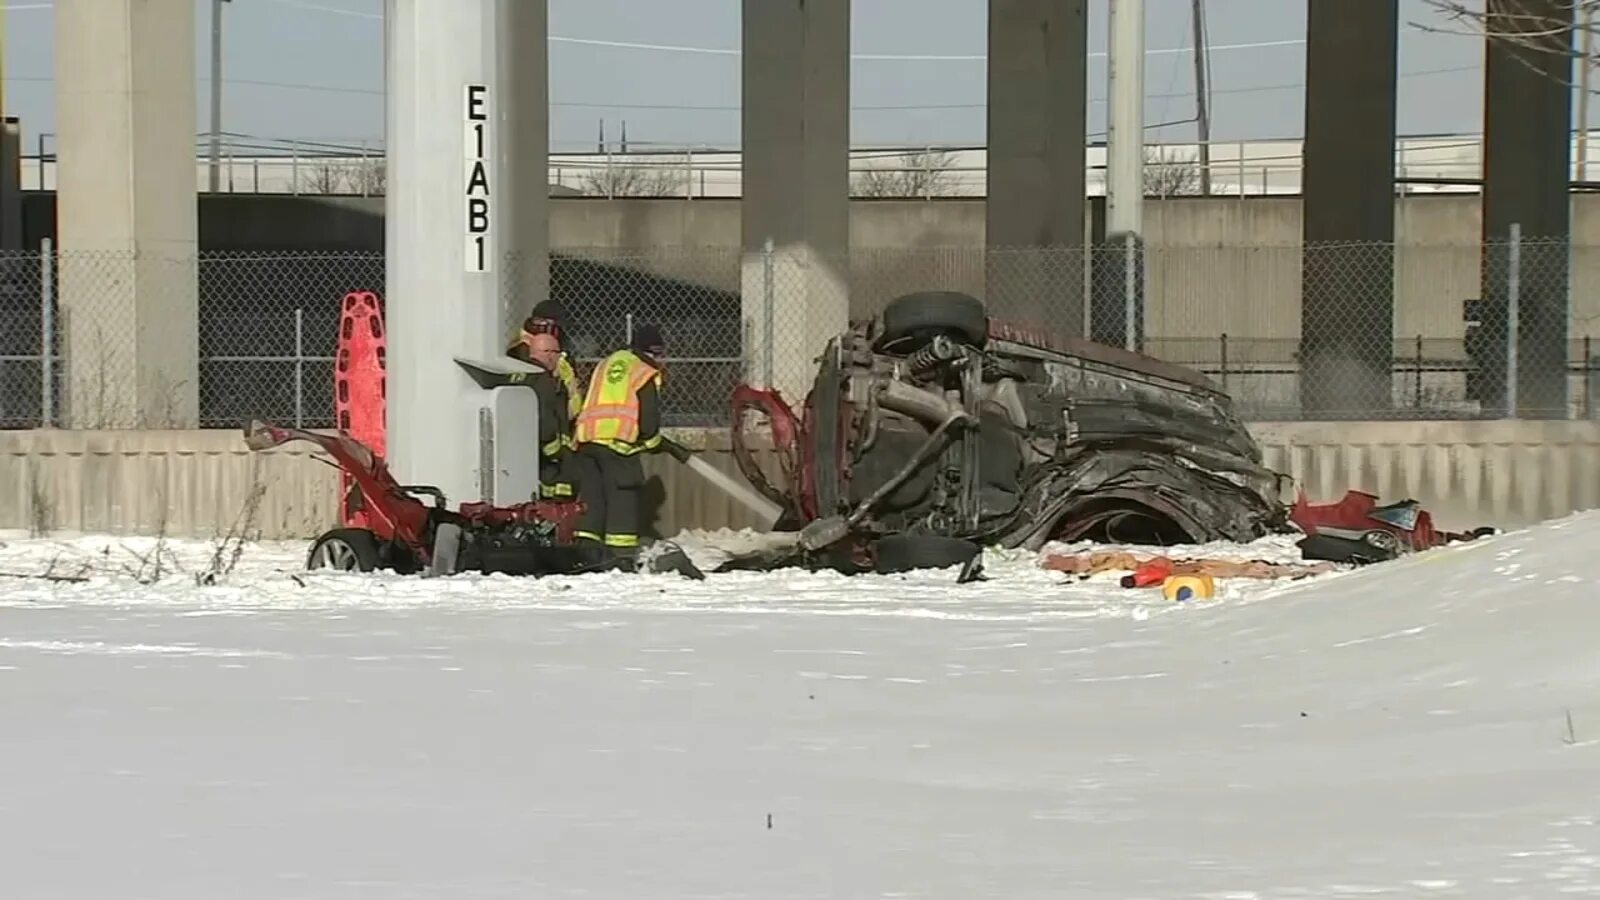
pixel 1423 728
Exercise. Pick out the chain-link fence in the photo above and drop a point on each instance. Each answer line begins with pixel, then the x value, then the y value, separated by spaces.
pixel 1331 332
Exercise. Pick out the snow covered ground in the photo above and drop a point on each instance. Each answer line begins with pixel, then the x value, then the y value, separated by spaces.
pixel 1423 728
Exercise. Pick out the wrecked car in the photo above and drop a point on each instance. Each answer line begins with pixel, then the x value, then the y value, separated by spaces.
pixel 933 421
pixel 1359 530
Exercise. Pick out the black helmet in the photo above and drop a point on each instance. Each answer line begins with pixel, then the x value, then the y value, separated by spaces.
pixel 647 341
pixel 549 317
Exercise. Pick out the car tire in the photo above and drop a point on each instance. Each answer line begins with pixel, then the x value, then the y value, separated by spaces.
pixel 345 550
pixel 1385 541
pixel 905 553
pixel 913 320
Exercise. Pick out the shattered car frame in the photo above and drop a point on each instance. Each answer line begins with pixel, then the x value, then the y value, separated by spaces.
pixel 931 419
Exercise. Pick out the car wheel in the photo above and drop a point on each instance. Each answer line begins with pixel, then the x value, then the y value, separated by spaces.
pixel 914 319
pixel 906 552
pixel 1386 541
pixel 345 550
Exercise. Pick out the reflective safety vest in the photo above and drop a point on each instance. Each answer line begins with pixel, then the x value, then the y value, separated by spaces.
pixel 610 414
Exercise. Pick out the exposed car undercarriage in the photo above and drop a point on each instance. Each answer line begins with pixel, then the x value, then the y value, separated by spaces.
pixel 933 420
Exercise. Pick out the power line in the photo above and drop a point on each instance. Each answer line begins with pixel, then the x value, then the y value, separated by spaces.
pixel 694 107
pixel 725 51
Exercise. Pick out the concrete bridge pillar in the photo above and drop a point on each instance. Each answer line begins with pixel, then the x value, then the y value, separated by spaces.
pixel 796 150
pixel 1347 280
pixel 1038 51
pixel 1527 170
pixel 465 217
pixel 126 212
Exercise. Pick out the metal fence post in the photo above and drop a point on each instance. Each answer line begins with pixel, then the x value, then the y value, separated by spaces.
pixel 1130 284
pixel 47 333
pixel 768 305
pixel 1513 304
pixel 299 366
pixel 1588 380
pixel 629 325
pixel 1224 356
pixel 1418 377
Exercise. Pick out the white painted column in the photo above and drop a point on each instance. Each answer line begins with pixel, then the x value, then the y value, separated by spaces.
pixel 1125 120
pixel 1125 160
pixel 467 187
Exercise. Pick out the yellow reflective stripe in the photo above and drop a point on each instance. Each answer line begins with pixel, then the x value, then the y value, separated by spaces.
pixel 588 536
pixel 553 446
pixel 569 380
pixel 608 411
pixel 560 489
pixel 621 448
pixel 622 540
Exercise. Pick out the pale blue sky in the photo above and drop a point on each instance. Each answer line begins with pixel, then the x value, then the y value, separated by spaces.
pixel 312 69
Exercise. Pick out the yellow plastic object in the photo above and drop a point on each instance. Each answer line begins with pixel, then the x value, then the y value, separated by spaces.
pixel 1182 588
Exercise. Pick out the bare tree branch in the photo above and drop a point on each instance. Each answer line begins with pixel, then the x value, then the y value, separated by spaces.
pixel 326 177
pixel 1170 173
pixel 367 177
pixel 920 173
pixel 634 179
pixel 1536 29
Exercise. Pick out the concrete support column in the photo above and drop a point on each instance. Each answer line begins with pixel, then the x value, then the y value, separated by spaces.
pixel 1347 275
pixel 126 212
pixel 464 217
pixel 796 148
pixel 1038 67
pixel 1527 165
pixel 525 67
pixel 1119 285
pixel 10 183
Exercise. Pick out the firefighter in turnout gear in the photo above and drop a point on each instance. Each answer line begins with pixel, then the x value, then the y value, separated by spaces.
pixel 560 467
pixel 542 344
pixel 621 419
pixel 549 317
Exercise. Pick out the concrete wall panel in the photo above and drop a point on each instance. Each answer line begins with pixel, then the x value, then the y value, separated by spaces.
pixel 1217 265
pixel 1468 473
pixel 190 483
pixel 195 483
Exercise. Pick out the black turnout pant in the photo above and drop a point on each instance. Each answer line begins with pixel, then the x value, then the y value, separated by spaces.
pixel 563 477
pixel 611 501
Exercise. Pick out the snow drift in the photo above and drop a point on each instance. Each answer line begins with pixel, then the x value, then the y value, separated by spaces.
pixel 1423 728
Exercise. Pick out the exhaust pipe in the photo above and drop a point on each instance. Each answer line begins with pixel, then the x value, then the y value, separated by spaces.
pixel 930 408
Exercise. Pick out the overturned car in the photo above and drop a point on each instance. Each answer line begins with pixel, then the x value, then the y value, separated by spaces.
pixel 932 420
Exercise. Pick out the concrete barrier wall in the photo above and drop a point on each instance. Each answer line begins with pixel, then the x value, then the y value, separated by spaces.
pixel 185 483
pixel 1508 474
pixel 1216 264
pixel 195 483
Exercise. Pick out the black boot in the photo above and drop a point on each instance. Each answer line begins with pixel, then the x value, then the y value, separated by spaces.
pixel 592 555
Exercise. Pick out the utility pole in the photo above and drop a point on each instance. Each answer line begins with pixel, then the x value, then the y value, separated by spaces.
pixel 1202 100
pixel 1585 67
pixel 216 94
pixel 1125 155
